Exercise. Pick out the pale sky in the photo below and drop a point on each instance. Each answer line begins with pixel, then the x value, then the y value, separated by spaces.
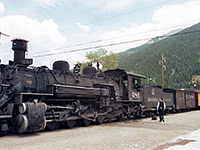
pixel 53 26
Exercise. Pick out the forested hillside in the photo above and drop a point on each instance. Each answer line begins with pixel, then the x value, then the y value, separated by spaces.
pixel 182 53
pixel 127 53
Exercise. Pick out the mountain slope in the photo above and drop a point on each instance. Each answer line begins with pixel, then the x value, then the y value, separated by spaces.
pixel 125 54
pixel 182 53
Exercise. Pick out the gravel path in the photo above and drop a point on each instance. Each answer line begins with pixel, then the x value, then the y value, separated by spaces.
pixel 140 134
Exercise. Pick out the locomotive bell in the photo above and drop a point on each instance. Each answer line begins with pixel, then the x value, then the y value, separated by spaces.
pixel 89 70
pixel 19 47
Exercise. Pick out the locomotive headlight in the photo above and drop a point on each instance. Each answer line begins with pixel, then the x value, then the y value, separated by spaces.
pixel 22 108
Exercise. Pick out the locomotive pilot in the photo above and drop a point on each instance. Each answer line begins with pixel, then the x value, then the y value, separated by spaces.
pixel 161 109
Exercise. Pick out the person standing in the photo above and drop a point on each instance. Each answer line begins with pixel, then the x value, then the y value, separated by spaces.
pixel 161 109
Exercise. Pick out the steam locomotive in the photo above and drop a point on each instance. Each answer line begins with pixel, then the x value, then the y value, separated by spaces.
pixel 35 98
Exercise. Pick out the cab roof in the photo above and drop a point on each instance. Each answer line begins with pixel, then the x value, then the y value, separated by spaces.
pixel 121 72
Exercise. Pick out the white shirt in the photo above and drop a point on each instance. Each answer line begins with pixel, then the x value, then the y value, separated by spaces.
pixel 159 105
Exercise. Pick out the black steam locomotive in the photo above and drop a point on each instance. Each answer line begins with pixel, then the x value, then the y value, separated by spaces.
pixel 35 98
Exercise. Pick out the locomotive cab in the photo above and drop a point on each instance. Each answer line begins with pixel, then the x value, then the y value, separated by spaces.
pixel 129 84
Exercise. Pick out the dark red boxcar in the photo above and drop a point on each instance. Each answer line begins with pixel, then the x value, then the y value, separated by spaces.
pixel 190 101
pixel 184 99
pixel 180 100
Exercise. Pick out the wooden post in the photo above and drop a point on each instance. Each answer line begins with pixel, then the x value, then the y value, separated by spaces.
pixel 163 72
pixel 162 62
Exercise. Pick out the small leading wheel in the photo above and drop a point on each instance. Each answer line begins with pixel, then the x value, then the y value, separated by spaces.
pixel 100 119
pixel 121 117
pixel 86 122
pixel 71 123
pixel 52 125
pixel 138 112
pixel 21 123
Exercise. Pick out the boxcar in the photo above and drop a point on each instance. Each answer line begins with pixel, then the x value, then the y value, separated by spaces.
pixel 190 101
pixel 180 103
pixel 184 99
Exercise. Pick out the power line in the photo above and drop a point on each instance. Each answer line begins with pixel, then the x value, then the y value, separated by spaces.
pixel 114 44
pixel 109 18
pixel 75 14
pixel 104 18
pixel 119 15
pixel 1 33
pixel 69 16
pixel 87 48
pixel 102 40
pixel 4 35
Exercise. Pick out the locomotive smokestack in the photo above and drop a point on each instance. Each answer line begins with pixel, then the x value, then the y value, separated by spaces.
pixel 19 47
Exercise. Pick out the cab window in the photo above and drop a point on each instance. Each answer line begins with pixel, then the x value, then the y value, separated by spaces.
pixel 136 83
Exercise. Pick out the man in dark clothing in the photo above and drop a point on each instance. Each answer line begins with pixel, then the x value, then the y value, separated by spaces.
pixel 161 109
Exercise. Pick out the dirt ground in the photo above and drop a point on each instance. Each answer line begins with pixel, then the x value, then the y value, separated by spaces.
pixel 142 134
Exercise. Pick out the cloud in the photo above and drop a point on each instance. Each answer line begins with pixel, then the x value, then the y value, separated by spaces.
pixel 180 14
pixel 83 27
pixel 47 3
pixel 164 20
pixel 45 35
pixel 2 8
pixel 41 36
pixel 108 5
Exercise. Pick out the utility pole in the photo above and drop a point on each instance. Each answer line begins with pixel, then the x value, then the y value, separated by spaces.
pixel 162 62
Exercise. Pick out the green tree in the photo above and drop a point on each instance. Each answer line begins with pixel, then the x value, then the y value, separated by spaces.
pixel 106 59
pixel 96 56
